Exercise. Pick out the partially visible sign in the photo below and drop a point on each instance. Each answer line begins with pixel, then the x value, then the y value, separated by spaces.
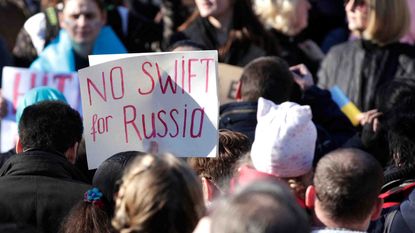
pixel 17 81
pixel 228 82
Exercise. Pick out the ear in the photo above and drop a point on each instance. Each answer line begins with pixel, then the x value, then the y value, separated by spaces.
pixel 238 94
pixel 19 146
pixel 71 153
pixel 377 209
pixel 310 196
pixel 209 189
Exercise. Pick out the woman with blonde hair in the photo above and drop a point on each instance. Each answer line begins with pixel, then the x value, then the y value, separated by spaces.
pixel 361 66
pixel 286 20
pixel 158 194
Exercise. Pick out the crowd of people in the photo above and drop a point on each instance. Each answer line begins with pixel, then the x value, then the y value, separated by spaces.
pixel 288 160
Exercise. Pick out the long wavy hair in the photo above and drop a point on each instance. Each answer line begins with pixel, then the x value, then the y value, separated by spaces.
pixel 397 102
pixel 158 194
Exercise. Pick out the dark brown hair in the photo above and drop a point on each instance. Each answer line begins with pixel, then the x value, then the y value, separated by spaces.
pixel 232 146
pixel 87 218
pixel 267 77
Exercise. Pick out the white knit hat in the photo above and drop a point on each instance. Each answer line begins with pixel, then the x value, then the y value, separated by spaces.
pixel 285 139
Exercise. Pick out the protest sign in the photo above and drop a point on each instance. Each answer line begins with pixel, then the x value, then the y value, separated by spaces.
pixel 228 79
pixel 167 98
pixel 228 82
pixel 17 81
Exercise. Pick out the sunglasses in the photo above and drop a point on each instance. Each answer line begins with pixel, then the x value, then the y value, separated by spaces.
pixel 355 2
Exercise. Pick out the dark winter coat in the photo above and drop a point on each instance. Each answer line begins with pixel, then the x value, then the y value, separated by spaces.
pixel 360 67
pixel 39 188
pixel 293 54
pixel 239 117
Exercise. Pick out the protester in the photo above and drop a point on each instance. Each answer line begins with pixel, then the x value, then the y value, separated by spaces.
pixel 158 194
pixel 136 32
pixel 36 95
pixel 285 139
pixel 83 33
pixel 286 19
pixel 215 173
pixel 90 215
pixel 344 196
pixel 261 207
pixel 390 115
pixel 271 78
pixel 39 185
pixel 361 66
pixel 231 27
pixel 396 127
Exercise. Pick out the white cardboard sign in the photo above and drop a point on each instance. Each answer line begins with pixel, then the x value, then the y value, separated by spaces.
pixel 166 98
pixel 18 81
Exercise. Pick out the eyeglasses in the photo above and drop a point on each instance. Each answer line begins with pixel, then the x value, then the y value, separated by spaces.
pixel 355 2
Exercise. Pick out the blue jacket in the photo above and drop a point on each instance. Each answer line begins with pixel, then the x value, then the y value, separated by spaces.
pixel 58 56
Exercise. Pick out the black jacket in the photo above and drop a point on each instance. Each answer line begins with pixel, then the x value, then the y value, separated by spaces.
pixel 293 54
pixel 360 67
pixel 39 188
pixel 239 117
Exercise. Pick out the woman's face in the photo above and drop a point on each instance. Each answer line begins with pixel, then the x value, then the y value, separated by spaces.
pixel 302 15
pixel 215 8
pixel 83 20
pixel 357 14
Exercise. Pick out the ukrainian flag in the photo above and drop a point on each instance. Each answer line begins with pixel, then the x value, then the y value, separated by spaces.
pixel 346 106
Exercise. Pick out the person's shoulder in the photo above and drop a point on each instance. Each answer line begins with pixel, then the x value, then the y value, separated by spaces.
pixel 55 56
pixel 108 42
pixel 345 46
pixel 41 63
pixel 197 25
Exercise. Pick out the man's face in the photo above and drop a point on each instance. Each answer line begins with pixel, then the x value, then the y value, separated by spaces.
pixel 83 20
